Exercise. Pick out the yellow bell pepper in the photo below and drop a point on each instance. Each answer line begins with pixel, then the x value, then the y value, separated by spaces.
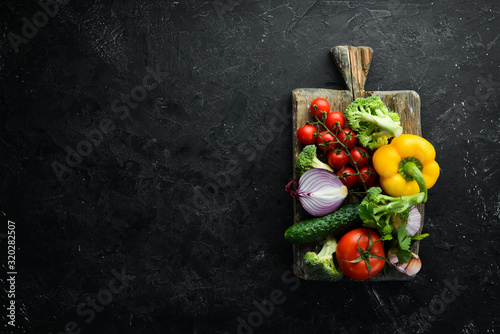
pixel 406 166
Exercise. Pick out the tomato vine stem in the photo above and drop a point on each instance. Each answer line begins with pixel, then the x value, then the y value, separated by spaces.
pixel 344 146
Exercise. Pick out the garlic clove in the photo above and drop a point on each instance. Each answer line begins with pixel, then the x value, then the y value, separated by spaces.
pixel 413 266
pixel 410 268
pixel 393 259
pixel 401 269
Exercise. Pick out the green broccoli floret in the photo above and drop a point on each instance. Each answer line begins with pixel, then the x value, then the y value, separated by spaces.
pixel 377 209
pixel 308 159
pixel 321 265
pixel 373 122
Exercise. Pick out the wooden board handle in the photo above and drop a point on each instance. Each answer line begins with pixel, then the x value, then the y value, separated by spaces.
pixel 353 62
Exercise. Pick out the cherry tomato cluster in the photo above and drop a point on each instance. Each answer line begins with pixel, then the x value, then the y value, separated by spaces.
pixel 350 161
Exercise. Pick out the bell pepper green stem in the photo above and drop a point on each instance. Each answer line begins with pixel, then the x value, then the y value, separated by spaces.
pixel 411 168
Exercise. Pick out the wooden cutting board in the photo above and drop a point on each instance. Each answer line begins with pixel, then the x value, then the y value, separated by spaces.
pixel 353 63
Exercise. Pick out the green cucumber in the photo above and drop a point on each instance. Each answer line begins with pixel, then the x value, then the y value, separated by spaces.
pixel 339 221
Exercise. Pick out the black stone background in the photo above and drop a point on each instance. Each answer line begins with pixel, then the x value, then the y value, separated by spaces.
pixel 185 195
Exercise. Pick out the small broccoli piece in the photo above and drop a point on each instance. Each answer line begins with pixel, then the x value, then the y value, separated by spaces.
pixel 321 265
pixel 369 137
pixel 373 122
pixel 377 209
pixel 308 159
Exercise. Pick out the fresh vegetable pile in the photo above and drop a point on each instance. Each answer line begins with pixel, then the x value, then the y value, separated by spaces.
pixel 360 182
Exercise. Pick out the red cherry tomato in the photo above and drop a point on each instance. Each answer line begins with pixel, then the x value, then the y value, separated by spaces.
pixel 348 176
pixel 319 107
pixel 368 174
pixel 337 158
pixel 359 157
pixel 325 141
pixel 305 134
pixel 347 251
pixel 332 119
pixel 347 137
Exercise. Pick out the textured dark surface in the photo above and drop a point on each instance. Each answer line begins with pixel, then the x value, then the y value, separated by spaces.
pixel 184 193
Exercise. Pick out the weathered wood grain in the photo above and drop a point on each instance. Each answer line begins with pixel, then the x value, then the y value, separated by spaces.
pixel 353 63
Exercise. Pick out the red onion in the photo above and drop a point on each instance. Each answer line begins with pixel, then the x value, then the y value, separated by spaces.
pixel 414 222
pixel 320 191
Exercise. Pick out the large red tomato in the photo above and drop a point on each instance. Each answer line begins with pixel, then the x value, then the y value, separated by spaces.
pixel 369 262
